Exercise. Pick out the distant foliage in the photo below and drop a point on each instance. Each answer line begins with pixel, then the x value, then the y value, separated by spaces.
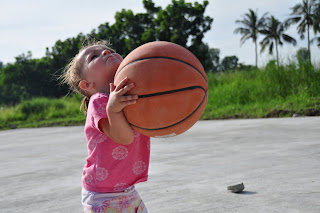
pixel 303 55
pixel 42 112
pixel 262 89
pixel 229 63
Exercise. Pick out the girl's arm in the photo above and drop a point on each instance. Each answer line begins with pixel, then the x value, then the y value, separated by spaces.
pixel 116 125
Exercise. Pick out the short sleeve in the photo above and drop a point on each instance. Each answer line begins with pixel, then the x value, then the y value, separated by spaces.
pixel 97 108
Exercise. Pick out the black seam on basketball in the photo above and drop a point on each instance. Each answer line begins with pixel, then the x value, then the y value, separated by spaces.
pixel 170 91
pixel 163 57
pixel 205 94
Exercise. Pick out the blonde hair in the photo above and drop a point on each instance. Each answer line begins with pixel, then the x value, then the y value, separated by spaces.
pixel 73 73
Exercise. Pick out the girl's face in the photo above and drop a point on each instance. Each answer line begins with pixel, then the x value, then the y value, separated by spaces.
pixel 100 64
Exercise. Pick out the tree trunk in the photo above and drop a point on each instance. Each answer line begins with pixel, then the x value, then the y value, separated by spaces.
pixel 256 53
pixel 277 54
pixel 309 51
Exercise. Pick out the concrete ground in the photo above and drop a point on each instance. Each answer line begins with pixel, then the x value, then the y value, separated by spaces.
pixel 276 159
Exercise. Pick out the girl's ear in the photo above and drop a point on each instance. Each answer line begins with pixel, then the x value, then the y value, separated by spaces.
pixel 85 85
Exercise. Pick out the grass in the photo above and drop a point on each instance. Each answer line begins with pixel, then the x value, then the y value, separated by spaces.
pixel 40 112
pixel 257 93
pixel 266 92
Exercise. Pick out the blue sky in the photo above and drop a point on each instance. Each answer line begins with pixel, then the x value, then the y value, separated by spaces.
pixel 34 25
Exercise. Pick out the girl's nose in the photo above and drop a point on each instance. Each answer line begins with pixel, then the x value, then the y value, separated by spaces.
pixel 105 52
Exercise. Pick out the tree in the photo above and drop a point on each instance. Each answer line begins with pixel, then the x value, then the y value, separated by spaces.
pixel 303 56
pixel 229 63
pixel 303 14
pixel 251 26
pixel 129 30
pixel 183 23
pixel 274 36
pixel 215 59
pixel 242 66
pixel 180 22
pixel 316 24
pixel 27 78
pixel 63 51
pixel 1 66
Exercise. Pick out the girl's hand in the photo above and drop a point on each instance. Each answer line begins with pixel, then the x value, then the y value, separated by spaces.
pixel 118 98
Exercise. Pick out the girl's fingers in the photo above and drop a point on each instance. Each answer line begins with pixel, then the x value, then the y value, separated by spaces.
pixel 129 102
pixel 125 89
pixel 112 87
pixel 129 98
pixel 125 103
pixel 121 84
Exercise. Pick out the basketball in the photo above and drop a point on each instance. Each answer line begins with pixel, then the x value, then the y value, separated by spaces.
pixel 171 85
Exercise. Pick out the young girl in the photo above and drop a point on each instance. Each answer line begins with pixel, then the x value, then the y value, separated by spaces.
pixel 118 156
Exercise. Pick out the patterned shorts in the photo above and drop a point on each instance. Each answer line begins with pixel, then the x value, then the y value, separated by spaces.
pixel 128 201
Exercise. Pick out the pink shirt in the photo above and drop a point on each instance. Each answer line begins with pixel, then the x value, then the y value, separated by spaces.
pixel 112 167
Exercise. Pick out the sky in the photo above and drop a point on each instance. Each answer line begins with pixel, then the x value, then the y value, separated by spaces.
pixel 35 25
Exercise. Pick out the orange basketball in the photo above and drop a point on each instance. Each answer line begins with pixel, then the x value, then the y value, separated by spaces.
pixel 172 87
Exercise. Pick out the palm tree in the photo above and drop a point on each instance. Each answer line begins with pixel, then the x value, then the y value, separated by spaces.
pixel 251 25
pixel 274 36
pixel 316 23
pixel 302 13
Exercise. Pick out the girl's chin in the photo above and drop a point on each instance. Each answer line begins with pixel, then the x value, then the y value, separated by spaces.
pixel 105 90
pixel 112 61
